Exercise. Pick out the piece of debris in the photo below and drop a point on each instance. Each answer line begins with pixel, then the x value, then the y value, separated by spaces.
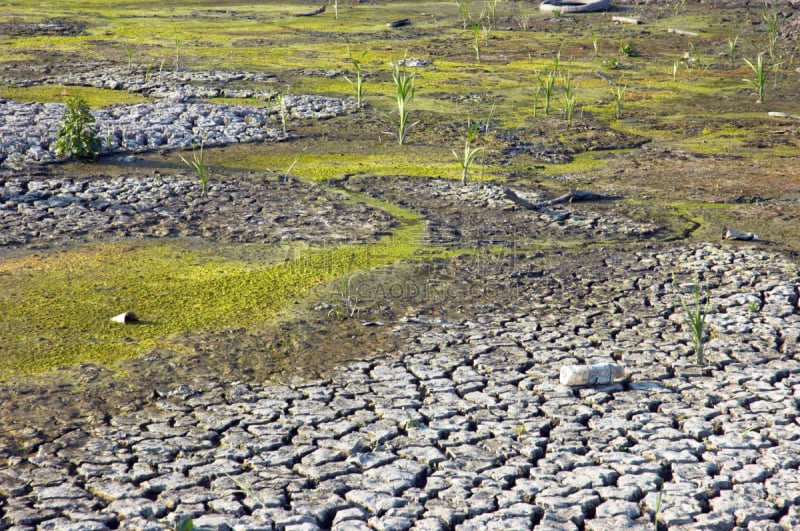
pixel 625 20
pixel 399 23
pixel 599 374
pixel 683 32
pixel 569 197
pixel 311 13
pixel 777 114
pixel 574 6
pixel 125 318
pixel 733 234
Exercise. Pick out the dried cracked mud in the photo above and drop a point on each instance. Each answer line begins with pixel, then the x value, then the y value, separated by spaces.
pixel 436 404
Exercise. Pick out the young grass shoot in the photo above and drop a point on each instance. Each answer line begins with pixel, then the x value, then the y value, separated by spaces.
pixel 198 162
pixel 694 319
pixel 469 152
pixel 358 84
pixel 404 95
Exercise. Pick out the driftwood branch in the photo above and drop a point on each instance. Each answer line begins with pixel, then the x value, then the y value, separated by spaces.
pixel 625 20
pixel 311 13
pixel 729 233
pixel 683 32
pixel 570 197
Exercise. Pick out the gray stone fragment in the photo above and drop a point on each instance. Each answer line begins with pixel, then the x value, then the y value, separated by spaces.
pixel 128 508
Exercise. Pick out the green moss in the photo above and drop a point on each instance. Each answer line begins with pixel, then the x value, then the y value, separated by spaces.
pixel 55 308
pixel 95 97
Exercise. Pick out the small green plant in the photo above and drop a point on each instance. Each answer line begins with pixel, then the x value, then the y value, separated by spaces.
pixel 520 430
pixel 546 83
pixel 524 18
pixel 283 110
pixel 463 9
pixel 626 49
pixel 348 298
pixel 288 173
pixel 657 509
pixel 491 12
pixel 469 152
pixel 732 42
pixel 748 430
pixel 129 52
pixel 759 79
pixel 694 318
pixel 770 16
pixel 753 307
pixel 186 524
pixel 76 137
pixel 618 91
pixel 358 84
pixel 476 40
pixel 198 162
pixel 556 13
pixel 404 95
pixel 177 53
pixel 246 489
pixel 568 87
pixel 411 422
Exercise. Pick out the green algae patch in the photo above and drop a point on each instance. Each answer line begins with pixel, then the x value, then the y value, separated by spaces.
pixel 55 308
pixel 95 97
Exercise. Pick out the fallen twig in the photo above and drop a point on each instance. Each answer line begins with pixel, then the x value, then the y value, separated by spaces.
pixel 311 13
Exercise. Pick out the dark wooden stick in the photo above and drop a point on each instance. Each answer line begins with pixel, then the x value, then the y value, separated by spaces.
pixel 311 13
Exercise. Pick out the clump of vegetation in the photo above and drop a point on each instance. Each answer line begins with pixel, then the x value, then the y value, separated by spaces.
pixel 568 88
pixel 348 299
pixel 76 137
pixel 198 162
pixel 626 49
pixel 404 95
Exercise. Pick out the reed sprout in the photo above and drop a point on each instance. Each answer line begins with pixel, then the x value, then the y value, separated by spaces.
pixel 476 39
pixel 618 91
pixel 404 95
pixel 469 152
pixel 759 79
pixel 732 48
pixel 568 88
pixel 358 84
pixel 694 318
pixel 198 162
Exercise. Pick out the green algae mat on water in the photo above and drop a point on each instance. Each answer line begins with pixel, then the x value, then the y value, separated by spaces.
pixel 55 307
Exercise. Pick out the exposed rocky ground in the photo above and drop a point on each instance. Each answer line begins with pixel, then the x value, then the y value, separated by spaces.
pixel 466 427
pixel 452 415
